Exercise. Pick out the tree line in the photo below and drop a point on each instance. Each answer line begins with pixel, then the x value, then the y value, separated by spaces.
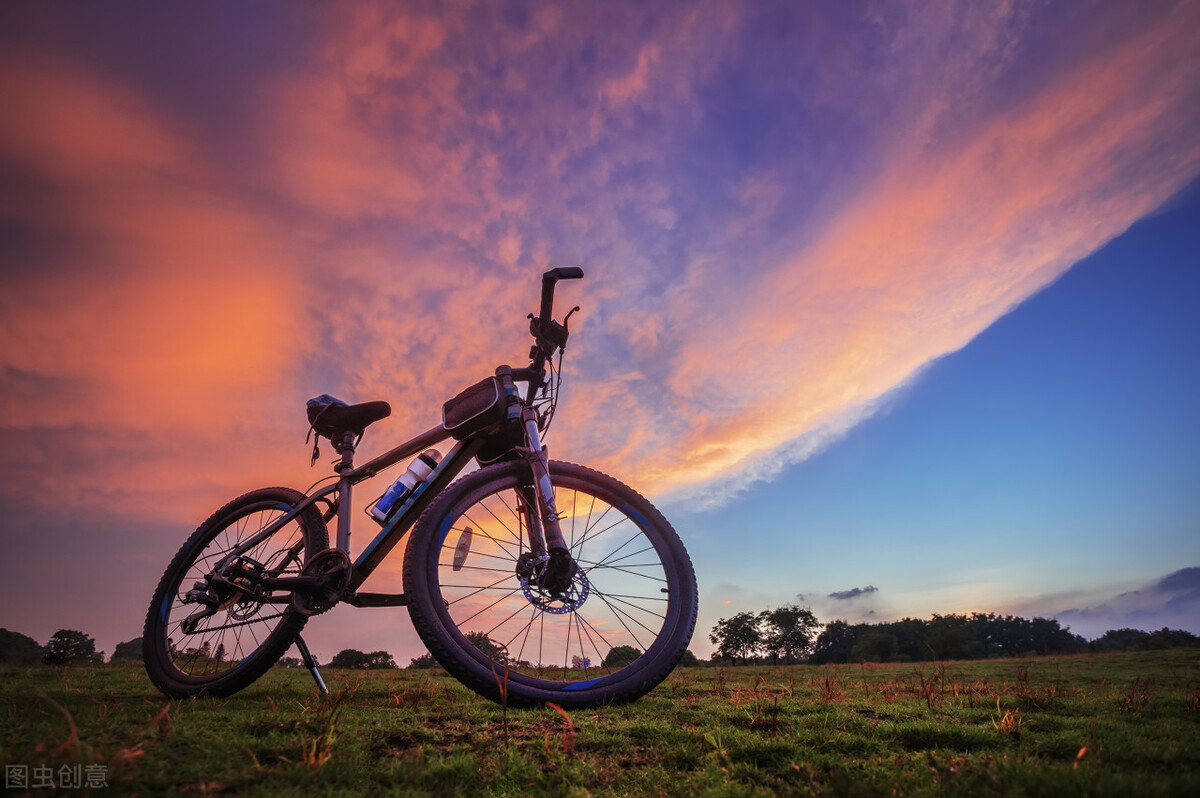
pixel 792 634
pixel 65 646
pixel 781 636
pixel 69 646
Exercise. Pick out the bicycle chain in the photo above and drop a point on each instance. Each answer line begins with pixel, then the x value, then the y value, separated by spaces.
pixel 239 623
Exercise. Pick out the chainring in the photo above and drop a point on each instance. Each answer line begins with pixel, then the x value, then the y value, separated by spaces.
pixel 332 567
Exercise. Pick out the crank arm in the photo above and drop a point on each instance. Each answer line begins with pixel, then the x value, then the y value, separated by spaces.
pixel 291 582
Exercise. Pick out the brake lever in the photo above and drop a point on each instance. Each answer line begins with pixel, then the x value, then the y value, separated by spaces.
pixel 567 318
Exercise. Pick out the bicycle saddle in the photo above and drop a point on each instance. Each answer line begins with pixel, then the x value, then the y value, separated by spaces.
pixel 330 417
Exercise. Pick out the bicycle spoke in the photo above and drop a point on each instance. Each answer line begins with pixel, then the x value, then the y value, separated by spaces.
pixel 623 545
pixel 502 544
pixel 608 561
pixel 624 571
pixel 622 600
pixel 488 607
pixel 516 536
pixel 582 623
pixel 480 554
pixel 474 592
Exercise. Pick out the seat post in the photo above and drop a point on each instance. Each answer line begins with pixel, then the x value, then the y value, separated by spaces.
pixel 346 449
pixel 344 469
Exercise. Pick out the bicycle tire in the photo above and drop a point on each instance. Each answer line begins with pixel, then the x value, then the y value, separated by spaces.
pixel 638 589
pixel 259 633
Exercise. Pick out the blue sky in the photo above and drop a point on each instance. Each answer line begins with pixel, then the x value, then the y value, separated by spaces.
pixel 1049 466
pixel 899 292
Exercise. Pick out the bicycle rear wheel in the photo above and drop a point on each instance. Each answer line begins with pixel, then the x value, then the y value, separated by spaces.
pixel 250 630
pixel 612 637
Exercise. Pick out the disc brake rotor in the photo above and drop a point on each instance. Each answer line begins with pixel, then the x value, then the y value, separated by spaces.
pixel 572 599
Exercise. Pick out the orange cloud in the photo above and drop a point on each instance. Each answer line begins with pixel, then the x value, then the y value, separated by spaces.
pixel 77 128
pixel 164 308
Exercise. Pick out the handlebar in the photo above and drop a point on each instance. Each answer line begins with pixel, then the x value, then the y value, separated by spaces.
pixel 548 335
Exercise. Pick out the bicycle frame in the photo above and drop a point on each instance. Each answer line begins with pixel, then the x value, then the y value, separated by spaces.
pixel 406 516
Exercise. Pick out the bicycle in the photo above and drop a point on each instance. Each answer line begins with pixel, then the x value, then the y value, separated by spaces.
pixel 530 580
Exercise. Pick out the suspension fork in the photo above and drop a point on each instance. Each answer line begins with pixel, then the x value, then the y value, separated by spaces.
pixel 545 537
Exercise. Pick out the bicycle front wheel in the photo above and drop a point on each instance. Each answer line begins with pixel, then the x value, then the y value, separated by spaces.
pixel 226 650
pixel 614 635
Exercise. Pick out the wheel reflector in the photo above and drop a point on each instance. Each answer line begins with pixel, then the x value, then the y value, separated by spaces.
pixel 462 549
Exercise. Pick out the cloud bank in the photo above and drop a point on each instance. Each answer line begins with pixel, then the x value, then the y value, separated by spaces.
pixel 1172 602
pixel 784 215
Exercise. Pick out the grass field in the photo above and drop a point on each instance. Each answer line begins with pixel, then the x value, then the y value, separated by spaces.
pixel 1112 724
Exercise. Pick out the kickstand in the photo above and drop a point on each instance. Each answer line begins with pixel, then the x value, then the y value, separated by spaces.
pixel 311 664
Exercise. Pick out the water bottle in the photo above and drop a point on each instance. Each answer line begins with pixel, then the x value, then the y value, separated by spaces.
pixel 418 471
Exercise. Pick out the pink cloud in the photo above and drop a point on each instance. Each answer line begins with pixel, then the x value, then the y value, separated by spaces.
pixel 937 248
pixel 402 214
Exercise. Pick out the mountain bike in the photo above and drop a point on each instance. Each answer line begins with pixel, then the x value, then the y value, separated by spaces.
pixel 528 579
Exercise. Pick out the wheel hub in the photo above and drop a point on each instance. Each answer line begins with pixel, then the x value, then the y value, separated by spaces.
pixel 531 569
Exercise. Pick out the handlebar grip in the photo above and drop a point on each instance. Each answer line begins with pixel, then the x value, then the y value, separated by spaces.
pixel 548 280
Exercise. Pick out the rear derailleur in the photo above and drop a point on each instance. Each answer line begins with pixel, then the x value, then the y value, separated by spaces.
pixel 236 588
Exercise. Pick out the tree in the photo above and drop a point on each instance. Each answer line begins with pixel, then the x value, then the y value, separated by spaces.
pixel 787 632
pixel 19 649
pixel 738 636
pixel 689 660
pixel 488 647
pixel 580 663
pixel 349 658
pixel 422 662
pixel 289 662
pixel 835 642
pixel 128 650
pixel 1173 638
pixel 380 660
pixel 620 656
pixel 67 646
pixel 875 646
pixel 1137 640
pixel 353 658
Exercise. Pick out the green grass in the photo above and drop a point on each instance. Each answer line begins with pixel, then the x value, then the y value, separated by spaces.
pixel 1113 724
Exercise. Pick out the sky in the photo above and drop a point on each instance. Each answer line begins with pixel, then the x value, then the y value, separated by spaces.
pixel 888 305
